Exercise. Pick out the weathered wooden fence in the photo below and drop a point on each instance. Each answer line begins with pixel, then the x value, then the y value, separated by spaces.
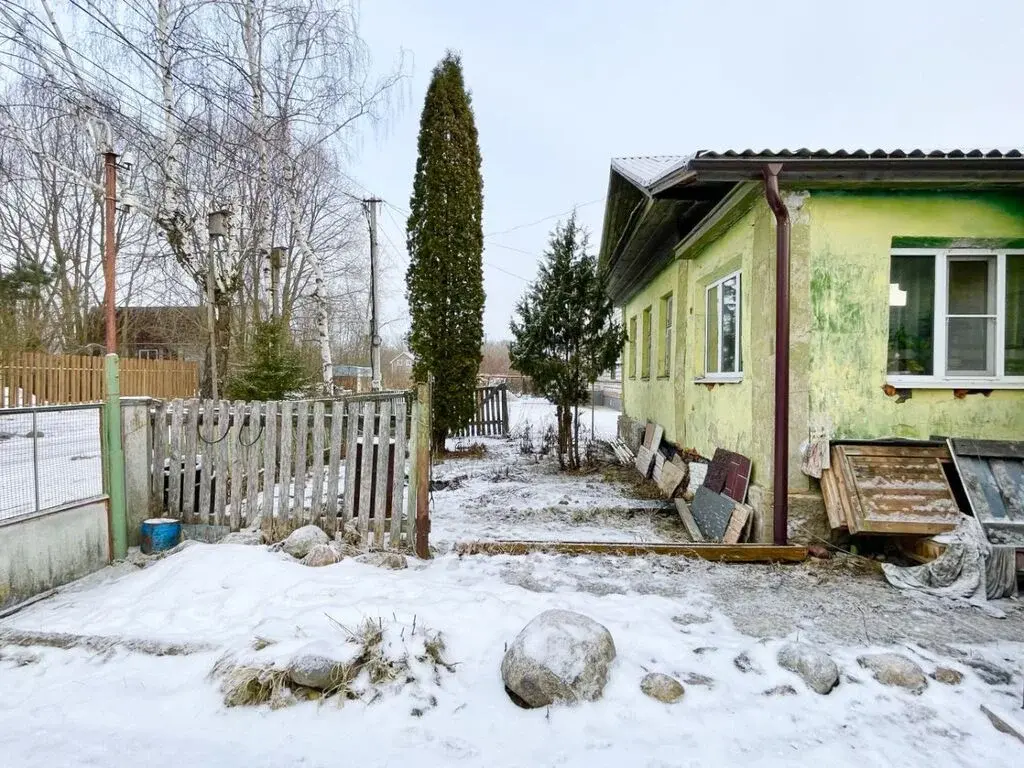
pixel 491 416
pixel 287 464
pixel 35 378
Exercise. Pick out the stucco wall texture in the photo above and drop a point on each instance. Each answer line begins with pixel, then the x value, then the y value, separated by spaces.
pixel 839 287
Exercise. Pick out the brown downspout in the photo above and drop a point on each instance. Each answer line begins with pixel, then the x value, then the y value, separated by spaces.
pixel 780 471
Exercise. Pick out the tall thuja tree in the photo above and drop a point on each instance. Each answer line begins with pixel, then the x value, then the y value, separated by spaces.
pixel 444 284
pixel 565 332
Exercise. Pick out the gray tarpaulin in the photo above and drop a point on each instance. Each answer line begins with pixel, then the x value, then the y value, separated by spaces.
pixel 970 569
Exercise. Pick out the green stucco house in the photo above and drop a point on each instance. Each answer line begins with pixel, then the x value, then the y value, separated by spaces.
pixel 905 302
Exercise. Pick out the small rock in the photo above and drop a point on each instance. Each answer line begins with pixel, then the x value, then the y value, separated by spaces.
pixel 250 538
pixel 34 433
pixel 896 670
pixel 343 549
pixel 318 666
pixel 693 678
pixel 303 539
pixel 320 555
pixel 815 666
pixel 704 649
pixel 560 656
pixel 349 535
pixel 662 687
pixel 818 551
pixel 780 690
pixel 391 560
pixel 686 619
pixel 947 676
pixel 744 663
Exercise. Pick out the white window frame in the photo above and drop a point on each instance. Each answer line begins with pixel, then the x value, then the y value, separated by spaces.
pixel 665 363
pixel 940 378
pixel 720 376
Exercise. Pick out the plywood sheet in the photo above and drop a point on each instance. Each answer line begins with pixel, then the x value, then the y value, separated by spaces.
pixel 671 478
pixel 894 489
pixel 734 531
pixel 644 461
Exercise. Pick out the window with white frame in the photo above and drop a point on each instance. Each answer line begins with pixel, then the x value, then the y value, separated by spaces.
pixel 665 362
pixel 722 358
pixel 956 316
pixel 632 347
pixel 647 341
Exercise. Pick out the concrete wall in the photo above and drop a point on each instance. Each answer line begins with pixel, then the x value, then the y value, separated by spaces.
pixel 135 427
pixel 47 550
pixel 851 239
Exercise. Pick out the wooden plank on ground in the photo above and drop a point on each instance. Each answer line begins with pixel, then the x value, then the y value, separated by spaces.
pixel 398 480
pixel 834 500
pixel 727 553
pixel 316 485
pixel 334 466
pixel 269 464
pixel 160 439
pixel 301 456
pixel 689 524
pixel 188 483
pixel 206 434
pixel 253 443
pixel 174 460
pixel 351 459
pixel 380 497
pixel 237 459
pixel 366 473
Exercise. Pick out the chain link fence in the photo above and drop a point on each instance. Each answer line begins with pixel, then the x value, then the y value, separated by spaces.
pixel 50 456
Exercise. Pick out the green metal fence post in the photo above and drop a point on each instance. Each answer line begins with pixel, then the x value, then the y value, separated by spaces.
pixel 118 516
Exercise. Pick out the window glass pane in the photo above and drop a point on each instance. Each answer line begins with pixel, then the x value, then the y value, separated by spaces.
pixel 711 348
pixel 645 351
pixel 971 284
pixel 911 314
pixel 971 342
pixel 729 328
pixel 1015 314
pixel 632 346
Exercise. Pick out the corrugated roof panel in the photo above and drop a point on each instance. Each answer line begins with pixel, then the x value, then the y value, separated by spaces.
pixel 644 171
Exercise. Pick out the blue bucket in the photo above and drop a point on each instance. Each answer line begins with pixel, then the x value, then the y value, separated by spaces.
pixel 160 534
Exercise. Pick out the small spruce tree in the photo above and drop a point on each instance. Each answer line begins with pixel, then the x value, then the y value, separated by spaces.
pixel 445 286
pixel 566 333
pixel 274 369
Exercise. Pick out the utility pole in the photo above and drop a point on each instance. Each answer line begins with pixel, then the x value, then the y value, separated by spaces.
pixel 117 509
pixel 375 341
pixel 215 230
pixel 109 256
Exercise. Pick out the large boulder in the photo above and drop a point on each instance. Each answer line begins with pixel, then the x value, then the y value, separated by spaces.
pixel 815 666
pixel 320 555
pixel 662 687
pixel 560 656
pixel 896 670
pixel 303 539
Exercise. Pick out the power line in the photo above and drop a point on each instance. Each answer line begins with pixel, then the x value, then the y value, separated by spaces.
pixel 546 218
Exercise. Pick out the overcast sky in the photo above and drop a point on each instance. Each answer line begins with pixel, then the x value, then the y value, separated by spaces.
pixel 562 86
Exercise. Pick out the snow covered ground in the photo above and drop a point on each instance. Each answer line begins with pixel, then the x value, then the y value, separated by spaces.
pixel 717 628
pixel 689 619
pixel 68 450
pixel 506 494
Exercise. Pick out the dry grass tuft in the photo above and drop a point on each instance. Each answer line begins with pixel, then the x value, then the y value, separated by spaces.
pixel 471 451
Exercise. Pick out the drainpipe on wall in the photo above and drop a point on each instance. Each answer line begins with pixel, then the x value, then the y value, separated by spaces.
pixel 780 472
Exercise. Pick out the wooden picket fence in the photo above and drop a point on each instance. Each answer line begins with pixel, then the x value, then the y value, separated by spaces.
pixel 35 378
pixel 287 464
pixel 490 418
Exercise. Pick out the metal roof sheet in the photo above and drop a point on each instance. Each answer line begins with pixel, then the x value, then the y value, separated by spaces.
pixel 644 171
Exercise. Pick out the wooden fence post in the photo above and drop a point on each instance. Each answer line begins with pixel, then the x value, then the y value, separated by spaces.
pixel 422 469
